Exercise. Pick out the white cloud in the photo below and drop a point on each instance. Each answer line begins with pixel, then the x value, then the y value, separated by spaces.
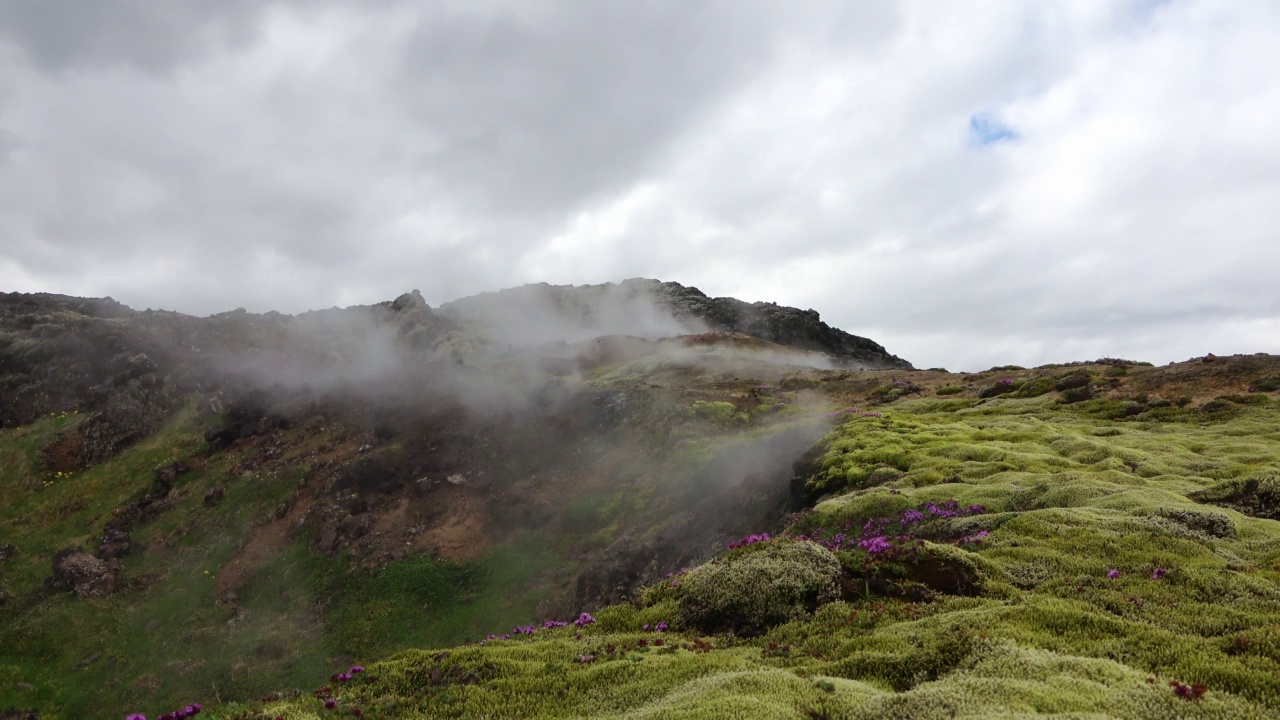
pixel 312 155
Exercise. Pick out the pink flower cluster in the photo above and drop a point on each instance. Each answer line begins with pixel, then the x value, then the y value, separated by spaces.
pixel 189 711
pixel 748 540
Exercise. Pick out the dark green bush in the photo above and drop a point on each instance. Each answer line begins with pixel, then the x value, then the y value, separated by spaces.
pixel 1076 394
pixel 798 383
pixel 1035 387
pixel 1072 380
pixel 1001 387
pixel 1271 384
pixel 949 390
pixel 894 390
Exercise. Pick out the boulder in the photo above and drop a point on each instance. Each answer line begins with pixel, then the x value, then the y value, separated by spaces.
pixel 86 575
pixel 114 543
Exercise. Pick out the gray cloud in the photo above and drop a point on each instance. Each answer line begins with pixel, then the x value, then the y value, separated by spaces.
pixel 291 155
pixel 61 35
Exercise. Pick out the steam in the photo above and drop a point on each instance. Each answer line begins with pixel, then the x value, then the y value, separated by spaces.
pixel 496 352
pixel 543 314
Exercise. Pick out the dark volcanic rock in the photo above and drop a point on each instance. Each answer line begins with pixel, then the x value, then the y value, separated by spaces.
pixel 215 495
pixel 77 571
pixel 114 543
pixel 801 329
pixel 547 313
pixel 127 371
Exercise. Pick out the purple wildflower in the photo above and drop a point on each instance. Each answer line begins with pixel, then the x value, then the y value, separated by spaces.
pixel 136 716
pixel 976 510
pixel 356 669
pixel 912 516
pixel 1113 574
pixel 330 704
pixel 661 626
pixel 584 619
pixel 1159 573
pixel 344 677
pixel 1188 692
pixel 940 512
pixel 748 540
pixel 646 627
pixel 875 544
pixel 975 538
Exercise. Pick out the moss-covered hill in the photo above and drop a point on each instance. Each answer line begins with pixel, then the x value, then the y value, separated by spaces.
pixel 1097 540
pixel 1000 557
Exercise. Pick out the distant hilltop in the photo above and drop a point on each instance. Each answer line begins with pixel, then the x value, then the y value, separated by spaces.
pixel 633 306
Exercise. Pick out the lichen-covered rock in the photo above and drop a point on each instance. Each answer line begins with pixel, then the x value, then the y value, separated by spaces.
pixel 114 543
pixel 86 575
pixel 763 586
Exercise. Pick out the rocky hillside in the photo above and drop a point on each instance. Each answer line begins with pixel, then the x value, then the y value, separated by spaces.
pixel 650 503
pixel 652 308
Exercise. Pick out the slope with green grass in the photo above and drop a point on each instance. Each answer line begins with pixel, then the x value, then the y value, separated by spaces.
pixel 1035 558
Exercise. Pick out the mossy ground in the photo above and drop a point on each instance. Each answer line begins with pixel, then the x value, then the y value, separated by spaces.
pixel 1020 622
pixel 1071 494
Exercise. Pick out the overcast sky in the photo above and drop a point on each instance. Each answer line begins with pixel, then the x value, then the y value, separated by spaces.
pixel 967 183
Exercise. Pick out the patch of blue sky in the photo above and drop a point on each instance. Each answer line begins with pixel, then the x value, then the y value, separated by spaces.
pixel 987 129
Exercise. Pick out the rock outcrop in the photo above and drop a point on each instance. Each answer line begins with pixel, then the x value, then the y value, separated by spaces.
pixel 85 575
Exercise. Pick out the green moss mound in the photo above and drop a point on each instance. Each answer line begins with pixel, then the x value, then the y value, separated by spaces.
pixel 759 587
pixel 1035 387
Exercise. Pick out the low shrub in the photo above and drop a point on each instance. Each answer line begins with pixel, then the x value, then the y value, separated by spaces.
pixel 1001 387
pixel 1035 387
pixel 798 383
pixel 719 413
pixel 1076 394
pixel 1271 384
pixel 760 586
pixel 1072 380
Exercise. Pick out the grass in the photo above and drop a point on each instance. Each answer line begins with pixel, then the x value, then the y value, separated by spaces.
pixel 163 640
pixel 1071 493
pixel 423 602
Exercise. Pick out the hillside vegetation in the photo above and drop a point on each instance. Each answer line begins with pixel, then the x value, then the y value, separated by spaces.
pixel 1019 557
pixel 712 525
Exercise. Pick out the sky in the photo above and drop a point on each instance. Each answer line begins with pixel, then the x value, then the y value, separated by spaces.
pixel 967 183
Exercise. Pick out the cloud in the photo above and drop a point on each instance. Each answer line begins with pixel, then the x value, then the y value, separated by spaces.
pixel 969 186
